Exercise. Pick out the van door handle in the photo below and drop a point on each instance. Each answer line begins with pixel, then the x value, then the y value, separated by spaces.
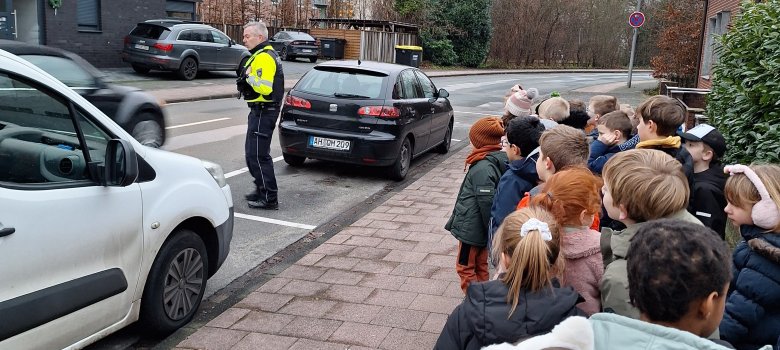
pixel 7 231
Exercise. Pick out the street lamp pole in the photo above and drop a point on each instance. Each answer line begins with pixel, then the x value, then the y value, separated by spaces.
pixel 633 46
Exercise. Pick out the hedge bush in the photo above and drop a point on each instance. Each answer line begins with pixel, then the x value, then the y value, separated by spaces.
pixel 745 100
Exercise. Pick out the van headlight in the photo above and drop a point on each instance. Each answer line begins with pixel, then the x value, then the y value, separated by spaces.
pixel 216 172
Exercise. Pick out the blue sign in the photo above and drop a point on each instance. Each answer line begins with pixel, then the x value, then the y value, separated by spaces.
pixel 636 19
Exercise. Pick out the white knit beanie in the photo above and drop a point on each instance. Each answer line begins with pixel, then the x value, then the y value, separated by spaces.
pixel 519 104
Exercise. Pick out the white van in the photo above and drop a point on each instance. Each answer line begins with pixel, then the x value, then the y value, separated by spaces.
pixel 96 231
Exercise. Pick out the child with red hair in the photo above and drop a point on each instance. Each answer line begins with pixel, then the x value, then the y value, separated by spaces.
pixel 573 197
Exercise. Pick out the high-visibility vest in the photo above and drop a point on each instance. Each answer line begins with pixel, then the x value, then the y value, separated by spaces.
pixel 264 74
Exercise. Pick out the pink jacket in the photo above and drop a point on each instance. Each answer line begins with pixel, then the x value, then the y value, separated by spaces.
pixel 584 266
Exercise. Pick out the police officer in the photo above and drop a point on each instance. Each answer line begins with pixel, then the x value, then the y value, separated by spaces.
pixel 261 83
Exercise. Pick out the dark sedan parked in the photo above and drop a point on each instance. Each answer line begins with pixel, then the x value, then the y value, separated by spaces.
pixel 290 45
pixel 367 113
pixel 134 110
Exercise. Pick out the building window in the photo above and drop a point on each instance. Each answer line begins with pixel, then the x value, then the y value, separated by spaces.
pixel 88 12
pixel 717 26
pixel 184 10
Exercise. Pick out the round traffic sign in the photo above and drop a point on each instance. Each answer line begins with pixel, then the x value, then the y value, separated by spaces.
pixel 636 19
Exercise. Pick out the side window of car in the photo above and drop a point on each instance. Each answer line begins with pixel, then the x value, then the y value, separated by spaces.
pixel 186 35
pixel 410 84
pixel 39 142
pixel 218 37
pixel 429 91
pixel 203 36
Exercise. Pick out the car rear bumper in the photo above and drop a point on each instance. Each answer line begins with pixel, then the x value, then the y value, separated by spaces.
pixel 372 149
pixel 300 52
pixel 152 61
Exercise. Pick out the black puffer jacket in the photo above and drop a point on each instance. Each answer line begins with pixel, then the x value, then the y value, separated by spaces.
pixel 481 319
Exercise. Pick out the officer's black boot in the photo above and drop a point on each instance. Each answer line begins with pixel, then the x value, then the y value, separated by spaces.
pixel 262 204
pixel 252 196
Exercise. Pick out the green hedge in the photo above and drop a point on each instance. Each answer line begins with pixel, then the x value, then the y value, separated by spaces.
pixel 745 100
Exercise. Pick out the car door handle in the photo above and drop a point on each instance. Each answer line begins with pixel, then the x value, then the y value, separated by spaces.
pixel 7 231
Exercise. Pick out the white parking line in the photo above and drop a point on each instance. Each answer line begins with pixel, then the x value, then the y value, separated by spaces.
pixel 455 140
pixel 478 113
pixel 243 170
pixel 274 221
pixel 196 123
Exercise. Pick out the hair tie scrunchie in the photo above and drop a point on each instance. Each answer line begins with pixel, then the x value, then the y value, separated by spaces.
pixel 536 225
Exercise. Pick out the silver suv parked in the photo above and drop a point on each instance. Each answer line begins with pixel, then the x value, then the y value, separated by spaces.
pixel 183 47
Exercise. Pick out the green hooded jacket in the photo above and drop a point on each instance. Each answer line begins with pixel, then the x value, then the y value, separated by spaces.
pixel 614 249
pixel 471 215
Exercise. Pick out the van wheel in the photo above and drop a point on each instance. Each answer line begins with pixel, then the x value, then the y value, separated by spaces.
pixel 140 69
pixel 399 170
pixel 293 160
pixel 188 69
pixel 176 283
pixel 444 147
pixel 148 131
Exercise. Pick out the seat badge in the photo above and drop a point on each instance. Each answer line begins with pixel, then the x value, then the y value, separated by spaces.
pixel 333 107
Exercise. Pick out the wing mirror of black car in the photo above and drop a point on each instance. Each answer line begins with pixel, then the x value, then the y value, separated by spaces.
pixel 231 42
pixel 443 93
pixel 120 168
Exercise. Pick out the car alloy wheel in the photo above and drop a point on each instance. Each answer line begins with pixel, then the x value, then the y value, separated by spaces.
pixel 284 54
pixel 401 166
pixel 148 131
pixel 188 69
pixel 176 283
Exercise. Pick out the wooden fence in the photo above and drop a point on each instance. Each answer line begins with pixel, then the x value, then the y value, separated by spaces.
pixel 380 46
pixel 236 31
pixel 352 37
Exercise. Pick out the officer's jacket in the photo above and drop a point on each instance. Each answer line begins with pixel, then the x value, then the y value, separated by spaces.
pixel 263 72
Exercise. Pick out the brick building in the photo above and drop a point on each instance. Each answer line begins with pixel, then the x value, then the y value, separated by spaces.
pixel 718 16
pixel 93 29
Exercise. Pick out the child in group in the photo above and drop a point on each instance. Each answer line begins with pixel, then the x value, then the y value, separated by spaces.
pixel 526 300
pixel 614 128
pixel 658 118
pixel 639 185
pixel 598 106
pixel 518 104
pixel 471 215
pixel 706 146
pixel 554 108
pixel 680 299
pixel 522 149
pixel 578 115
pixel 752 314
pixel 573 197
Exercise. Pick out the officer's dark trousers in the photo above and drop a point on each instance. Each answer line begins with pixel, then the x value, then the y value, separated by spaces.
pixel 260 130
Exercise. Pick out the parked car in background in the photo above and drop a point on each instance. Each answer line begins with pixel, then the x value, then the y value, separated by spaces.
pixel 368 113
pixel 96 231
pixel 291 45
pixel 134 110
pixel 183 47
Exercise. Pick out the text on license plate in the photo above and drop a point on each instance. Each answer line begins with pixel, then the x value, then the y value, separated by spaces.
pixel 141 47
pixel 306 50
pixel 321 142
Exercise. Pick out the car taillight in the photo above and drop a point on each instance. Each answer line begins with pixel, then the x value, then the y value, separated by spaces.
pixel 297 102
pixel 379 111
pixel 163 47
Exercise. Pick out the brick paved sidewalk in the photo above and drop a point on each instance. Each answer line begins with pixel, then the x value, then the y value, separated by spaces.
pixel 385 282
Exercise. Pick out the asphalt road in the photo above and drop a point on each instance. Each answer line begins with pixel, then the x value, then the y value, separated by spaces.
pixel 318 192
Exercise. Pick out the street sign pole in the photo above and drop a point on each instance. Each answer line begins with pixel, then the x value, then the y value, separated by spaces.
pixel 633 42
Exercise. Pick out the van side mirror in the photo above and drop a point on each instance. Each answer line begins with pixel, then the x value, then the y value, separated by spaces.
pixel 443 93
pixel 121 164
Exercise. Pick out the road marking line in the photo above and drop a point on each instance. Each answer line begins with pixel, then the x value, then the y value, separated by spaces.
pixel 243 170
pixel 493 114
pixel 274 221
pixel 455 140
pixel 196 123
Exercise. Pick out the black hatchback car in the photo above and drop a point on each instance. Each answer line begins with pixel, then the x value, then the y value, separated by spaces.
pixel 134 110
pixel 367 113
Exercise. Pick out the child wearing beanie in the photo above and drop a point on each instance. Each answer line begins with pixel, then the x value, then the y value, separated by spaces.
pixel 471 215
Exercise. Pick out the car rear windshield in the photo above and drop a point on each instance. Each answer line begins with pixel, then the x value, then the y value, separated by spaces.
pixel 342 83
pixel 301 36
pixel 150 31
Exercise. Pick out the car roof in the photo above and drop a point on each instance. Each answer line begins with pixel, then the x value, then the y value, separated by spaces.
pixel 22 48
pixel 170 23
pixel 372 66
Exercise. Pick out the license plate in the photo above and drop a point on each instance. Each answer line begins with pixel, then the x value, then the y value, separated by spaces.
pixel 141 47
pixel 322 142
pixel 306 50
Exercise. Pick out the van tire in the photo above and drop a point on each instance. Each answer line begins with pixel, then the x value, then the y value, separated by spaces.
pixel 183 251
